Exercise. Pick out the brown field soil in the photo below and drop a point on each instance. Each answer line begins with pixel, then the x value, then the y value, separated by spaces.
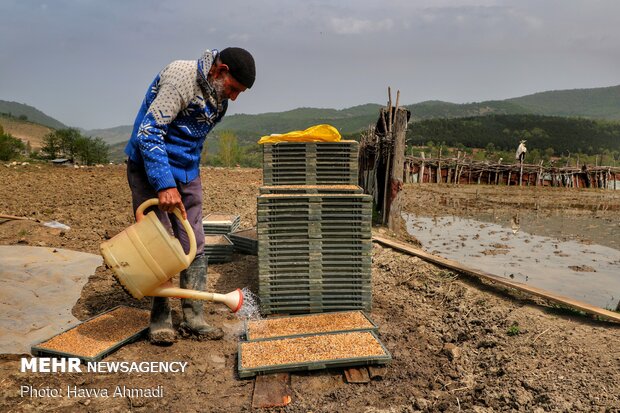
pixel 457 344
pixel 26 131
pixel 463 199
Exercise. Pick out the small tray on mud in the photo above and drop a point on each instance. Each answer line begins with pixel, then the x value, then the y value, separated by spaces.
pixel 308 324
pixel 314 352
pixel 218 249
pixel 220 223
pixel 97 337
pixel 245 241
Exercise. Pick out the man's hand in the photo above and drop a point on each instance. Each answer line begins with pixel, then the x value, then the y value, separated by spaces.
pixel 169 199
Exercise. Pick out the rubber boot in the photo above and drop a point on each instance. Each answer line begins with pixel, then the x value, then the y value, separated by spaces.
pixel 195 278
pixel 161 332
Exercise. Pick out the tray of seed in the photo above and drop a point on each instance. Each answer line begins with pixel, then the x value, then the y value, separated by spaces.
pixel 308 324
pixel 97 337
pixel 320 351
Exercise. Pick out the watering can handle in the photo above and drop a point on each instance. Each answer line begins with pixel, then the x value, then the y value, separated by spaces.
pixel 188 228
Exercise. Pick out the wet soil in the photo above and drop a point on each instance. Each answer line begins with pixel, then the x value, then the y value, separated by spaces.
pixel 457 344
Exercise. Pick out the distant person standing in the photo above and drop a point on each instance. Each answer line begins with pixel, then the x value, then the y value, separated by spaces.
pixel 182 105
pixel 521 150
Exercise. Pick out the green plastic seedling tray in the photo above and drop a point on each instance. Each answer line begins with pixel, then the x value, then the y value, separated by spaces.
pixel 374 327
pixel 335 166
pixel 314 365
pixel 310 189
pixel 314 242
pixel 313 197
pixel 312 233
pixel 266 274
pixel 314 308
pixel 311 180
pixel 320 285
pixel 38 351
pixel 317 297
pixel 352 248
pixel 244 244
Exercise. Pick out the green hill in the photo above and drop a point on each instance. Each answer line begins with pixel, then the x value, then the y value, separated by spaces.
pixel 349 120
pixel 433 109
pixel 25 112
pixel 111 135
pixel 597 103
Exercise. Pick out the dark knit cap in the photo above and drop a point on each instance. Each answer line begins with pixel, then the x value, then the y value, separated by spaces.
pixel 241 65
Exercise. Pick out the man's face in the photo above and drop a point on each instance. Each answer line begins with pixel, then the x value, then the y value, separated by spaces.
pixel 225 85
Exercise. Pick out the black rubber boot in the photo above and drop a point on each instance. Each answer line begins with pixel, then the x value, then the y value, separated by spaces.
pixel 161 332
pixel 195 278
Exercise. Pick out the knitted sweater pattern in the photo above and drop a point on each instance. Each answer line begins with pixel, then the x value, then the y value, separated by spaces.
pixel 177 113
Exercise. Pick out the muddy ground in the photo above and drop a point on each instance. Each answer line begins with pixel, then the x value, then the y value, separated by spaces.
pixel 457 344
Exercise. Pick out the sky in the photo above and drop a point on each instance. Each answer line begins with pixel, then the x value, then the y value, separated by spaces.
pixel 88 63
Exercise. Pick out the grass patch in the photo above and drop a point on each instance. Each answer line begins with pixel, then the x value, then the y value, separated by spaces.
pixel 513 330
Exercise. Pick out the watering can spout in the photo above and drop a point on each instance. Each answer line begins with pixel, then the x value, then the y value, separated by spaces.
pixel 233 300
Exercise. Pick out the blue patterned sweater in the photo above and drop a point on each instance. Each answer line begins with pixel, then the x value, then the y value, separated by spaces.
pixel 179 110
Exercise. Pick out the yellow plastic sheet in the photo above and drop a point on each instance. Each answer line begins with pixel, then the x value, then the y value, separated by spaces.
pixel 317 133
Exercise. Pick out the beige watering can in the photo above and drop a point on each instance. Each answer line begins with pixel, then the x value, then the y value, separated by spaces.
pixel 144 257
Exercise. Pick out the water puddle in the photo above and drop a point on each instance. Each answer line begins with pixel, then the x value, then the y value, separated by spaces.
pixel 584 271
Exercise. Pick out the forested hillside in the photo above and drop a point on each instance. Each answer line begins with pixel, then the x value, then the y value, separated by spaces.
pixel 597 103
pixel 505 131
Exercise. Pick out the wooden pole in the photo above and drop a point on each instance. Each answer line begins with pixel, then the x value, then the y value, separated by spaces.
pixel 421 172
pixel 13 217
pixel 396 179
pixel 389 109
pixel 439 167
pixel 456 266
pixel 386 188
pixel 389 138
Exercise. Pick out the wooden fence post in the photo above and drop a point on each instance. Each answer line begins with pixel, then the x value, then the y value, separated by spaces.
pixel 396 178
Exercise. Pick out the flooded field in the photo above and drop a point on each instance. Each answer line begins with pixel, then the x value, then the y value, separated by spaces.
pixel 565 242
pixel 585 271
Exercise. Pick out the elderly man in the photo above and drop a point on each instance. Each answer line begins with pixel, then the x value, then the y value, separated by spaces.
pixel 182 105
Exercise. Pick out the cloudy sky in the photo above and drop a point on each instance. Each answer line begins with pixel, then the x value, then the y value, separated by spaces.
pixel 88 62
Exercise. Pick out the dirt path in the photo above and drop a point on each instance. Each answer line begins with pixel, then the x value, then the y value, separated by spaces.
pixel 457 345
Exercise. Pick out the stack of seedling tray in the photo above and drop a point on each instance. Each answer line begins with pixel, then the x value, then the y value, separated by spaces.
pixel 310 342
pixel 97 337
pixel 314 230
pixel 219 223
pixel 314 252
pixel 245 241
pixel 314 163
pixel 218 249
